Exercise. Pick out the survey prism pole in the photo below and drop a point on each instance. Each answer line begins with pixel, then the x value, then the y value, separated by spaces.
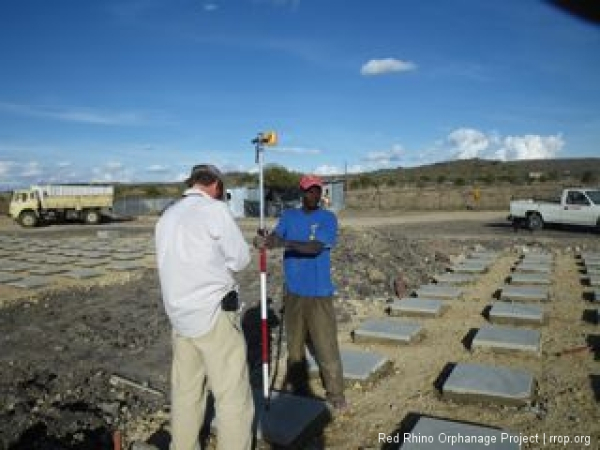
pixel 260 141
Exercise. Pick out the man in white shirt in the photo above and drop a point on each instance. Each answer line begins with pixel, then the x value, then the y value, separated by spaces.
pixel 198 248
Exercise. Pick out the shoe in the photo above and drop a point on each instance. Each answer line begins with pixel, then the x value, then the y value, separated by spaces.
pixel 338 404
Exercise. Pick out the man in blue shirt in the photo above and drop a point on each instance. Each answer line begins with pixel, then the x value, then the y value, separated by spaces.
pixel 307 235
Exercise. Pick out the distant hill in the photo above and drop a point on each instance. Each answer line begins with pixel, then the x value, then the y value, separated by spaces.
pixel 476 170
pixel 575 171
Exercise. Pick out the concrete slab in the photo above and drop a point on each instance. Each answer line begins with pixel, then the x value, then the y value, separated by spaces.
pixel 82 274
pixel 89 263
pixel 9 277
pixel 417 306
pixel 126 256
pixel 30 282
pixel 530 279
pixel 592 270
pixel 54 259
pixel 505 338
pixel 594 280
pixel 439 291
pixel 358 365
pixel 533 268
pixel 90 254
pixel 13 266
pixel 589 254
pixel 502 385
pixel 37 258
pixel 290 421
pixel 126 265
pixel 388 331
pixel 539 258
pixel 485 254
pixel 108 234
pixel 48 270
pixel 470 267
pixel 524 293
pixel 514 313
pixel 440 431
pixel 455 278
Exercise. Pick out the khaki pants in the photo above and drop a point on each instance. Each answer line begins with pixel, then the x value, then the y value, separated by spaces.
pixel 312 319
pixel 215 362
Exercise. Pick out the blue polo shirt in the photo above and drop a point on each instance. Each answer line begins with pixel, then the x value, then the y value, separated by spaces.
pixel 308 275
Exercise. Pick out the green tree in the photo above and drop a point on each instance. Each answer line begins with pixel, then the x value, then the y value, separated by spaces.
pixel 279 177
pixel 152 191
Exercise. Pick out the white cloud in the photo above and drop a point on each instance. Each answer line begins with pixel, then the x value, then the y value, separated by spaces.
pixel 386 65
pixel 5 168
pixel 530 147
pixel 157 168
pixel 85 115
pixel 292 4
pixel 112 171
pixel 114 165
pixel 328 170
pixel 386 157
pixel 295 150
pixel 210 7
pixel 468 143
pixel 31 169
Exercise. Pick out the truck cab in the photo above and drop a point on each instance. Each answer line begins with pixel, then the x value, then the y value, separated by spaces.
pixel 24 207
pixel 581 207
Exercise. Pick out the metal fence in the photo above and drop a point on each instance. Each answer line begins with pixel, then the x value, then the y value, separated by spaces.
pixel 138 206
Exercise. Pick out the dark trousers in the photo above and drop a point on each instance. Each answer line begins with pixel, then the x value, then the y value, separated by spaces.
pixel 312 320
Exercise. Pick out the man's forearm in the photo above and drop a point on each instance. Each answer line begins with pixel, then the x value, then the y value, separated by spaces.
pixel 306 248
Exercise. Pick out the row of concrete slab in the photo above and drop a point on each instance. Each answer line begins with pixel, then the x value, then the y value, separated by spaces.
pixel 31 264
pixel 520 301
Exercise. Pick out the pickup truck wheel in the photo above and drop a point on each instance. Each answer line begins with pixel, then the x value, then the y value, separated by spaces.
pixel 91 217
pixel 28 219
pixel 535 222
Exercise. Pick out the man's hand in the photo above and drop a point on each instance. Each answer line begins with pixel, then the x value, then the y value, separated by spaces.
pixel 259 241
pixel 270 240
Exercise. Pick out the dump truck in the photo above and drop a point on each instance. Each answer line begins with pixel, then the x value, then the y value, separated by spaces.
pixel 86 203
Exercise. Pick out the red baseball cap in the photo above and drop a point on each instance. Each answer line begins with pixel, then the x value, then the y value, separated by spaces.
pixel 307 181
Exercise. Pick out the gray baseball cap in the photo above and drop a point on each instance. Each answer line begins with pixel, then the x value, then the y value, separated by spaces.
pixel 200 173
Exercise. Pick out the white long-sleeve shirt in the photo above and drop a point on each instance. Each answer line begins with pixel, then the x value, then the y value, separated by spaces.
pixel 198 248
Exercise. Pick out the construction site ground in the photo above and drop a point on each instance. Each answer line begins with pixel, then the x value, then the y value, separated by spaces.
pixel 69 349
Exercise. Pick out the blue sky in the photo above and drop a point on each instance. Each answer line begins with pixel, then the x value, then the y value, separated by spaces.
pixel 141 90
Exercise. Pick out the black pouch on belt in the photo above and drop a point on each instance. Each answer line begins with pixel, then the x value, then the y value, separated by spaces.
pixel 230 302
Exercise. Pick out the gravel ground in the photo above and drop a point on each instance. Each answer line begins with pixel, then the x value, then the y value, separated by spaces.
pixel 69 350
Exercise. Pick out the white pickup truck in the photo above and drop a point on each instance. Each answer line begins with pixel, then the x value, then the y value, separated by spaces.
pixel 576 206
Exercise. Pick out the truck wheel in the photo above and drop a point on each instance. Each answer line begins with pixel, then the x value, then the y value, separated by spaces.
pixel 91 217
pixel 28 219
pixel 535 222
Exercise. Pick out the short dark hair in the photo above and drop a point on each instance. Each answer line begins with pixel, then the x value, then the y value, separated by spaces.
pixel 204 174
